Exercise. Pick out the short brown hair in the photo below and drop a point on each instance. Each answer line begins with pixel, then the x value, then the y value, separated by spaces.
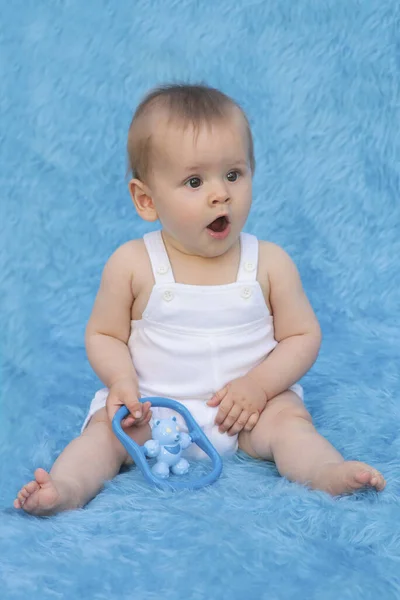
pixel 193 104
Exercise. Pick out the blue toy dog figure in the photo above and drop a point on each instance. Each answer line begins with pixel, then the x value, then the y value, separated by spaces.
pixel 167 445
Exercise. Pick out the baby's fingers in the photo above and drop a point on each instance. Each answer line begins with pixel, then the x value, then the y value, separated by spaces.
pixel 218 396
pixel 147 419
pixel 136 410
pixel 252 421
pixel 135 413
pixel 134 419
pixel 146 414
pixel 128 421
pixel 240 423
pixel 223 410
pixel 231 419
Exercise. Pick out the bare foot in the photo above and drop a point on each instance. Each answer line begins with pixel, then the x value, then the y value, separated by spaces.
pixel 348 477
pixel 41 496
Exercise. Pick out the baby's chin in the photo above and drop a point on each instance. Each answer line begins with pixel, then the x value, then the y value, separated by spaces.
pixel 214 247
pixel 203 245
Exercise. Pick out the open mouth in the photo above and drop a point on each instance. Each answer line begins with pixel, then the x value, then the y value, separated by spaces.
pixel 219 225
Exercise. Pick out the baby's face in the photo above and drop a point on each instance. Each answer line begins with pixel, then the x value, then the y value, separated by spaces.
pixel 201 184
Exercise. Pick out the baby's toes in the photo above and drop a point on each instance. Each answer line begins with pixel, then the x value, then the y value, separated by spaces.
pixel 25 492
pixel 31 487
pixel 377 480
pixel 363 477
pixel 370 477
pixel 20 500
pixel 22 496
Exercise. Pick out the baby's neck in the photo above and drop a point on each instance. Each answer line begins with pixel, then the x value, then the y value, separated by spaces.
pixel 192 269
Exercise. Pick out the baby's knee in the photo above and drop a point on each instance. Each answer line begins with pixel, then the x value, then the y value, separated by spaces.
pixel 291 415
pixel 100 416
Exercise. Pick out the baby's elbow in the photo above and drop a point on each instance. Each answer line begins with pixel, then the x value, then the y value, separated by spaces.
pixel 90 333
pixel 88 329
pixel 315 338
pixel 317 333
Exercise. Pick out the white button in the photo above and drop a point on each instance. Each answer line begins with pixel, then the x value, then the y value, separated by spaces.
pixel 246 293
pixel 162 269
pixel 168 295
pixel 249 266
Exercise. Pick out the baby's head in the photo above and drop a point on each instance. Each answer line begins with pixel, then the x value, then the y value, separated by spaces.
pixel 190 151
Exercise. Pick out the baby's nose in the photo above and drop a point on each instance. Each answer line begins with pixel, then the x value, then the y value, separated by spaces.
pixel 219 194
pixel 220 198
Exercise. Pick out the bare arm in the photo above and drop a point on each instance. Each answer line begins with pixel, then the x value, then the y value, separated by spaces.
pixel 108 329
pixel 107 335
pixel 296 328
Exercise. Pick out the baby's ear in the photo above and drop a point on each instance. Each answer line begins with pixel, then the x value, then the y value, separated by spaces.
pixel 142 199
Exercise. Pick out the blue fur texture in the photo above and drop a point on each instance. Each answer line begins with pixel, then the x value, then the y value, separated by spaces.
pixel 320 83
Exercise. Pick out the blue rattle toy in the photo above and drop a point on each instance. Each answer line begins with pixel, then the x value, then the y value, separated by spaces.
pixel 167 445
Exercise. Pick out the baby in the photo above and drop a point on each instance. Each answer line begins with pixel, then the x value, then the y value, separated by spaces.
pixel 199 312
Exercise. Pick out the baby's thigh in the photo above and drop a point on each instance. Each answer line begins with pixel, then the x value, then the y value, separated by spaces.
pixel 139 434
pixel 258 442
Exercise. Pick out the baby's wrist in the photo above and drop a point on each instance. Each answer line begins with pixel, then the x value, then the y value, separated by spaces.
pixel 127 377
pixel 259 384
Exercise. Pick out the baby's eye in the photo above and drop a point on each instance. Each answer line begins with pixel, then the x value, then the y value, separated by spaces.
pixel 232 176
pixel 194 182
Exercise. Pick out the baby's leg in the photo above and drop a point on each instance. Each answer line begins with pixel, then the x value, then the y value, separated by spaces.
pixel 80 471
pixel 286 435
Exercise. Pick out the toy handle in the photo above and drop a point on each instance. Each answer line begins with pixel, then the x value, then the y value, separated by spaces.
pixel 196 433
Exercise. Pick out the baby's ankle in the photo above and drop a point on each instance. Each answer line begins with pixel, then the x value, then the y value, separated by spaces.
pixel 321 474
pixel 70 493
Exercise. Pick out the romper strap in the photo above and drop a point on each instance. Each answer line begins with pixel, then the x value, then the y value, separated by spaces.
pixel 248 258
pixel 160 263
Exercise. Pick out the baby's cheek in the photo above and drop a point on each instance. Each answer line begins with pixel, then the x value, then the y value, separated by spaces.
pixel 189 214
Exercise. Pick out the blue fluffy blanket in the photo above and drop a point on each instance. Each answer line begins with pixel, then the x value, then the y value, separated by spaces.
pixel 320 82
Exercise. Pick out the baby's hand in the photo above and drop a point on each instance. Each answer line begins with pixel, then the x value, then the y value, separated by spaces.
pixel 240 403
pixel 124 392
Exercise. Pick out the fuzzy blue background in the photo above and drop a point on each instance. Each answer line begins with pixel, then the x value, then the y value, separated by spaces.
pixel 320 83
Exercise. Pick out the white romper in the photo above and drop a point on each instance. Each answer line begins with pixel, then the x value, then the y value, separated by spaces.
pixel 194 339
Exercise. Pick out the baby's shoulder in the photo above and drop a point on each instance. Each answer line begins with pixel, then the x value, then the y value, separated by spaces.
pixel 271 254
pixel 274 261
pixel 132 249
pixel 129 258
